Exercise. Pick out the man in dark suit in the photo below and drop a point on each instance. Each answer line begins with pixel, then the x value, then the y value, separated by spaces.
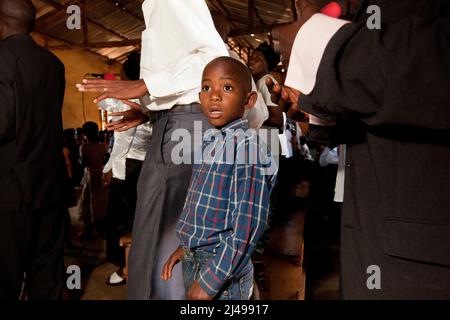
pixel 384 92
pixel 31 159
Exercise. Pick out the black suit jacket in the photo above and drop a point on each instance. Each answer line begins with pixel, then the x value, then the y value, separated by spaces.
pixel 388 91
pixel 31 95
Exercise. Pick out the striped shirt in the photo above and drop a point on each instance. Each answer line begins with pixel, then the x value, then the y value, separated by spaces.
pixel 227 204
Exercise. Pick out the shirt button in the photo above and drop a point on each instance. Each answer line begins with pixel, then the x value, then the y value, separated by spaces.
pixel 348 165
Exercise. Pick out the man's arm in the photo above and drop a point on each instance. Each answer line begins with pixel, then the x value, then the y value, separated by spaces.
pixel 192 27
pixel 393 77
pixel 8 107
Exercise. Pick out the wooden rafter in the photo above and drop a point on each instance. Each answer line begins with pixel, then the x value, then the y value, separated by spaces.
pixel 251 12
pixel 294 10
pixel 260 19
pixel 248 31
pixel 70 45
pixel 127 12
pixel 98 45
pixel 84 22
pixel 59 6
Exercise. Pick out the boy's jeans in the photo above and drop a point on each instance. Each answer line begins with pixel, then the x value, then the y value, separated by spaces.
pixel 239 288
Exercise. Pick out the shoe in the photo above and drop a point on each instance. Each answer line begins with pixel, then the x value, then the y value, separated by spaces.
pixel 115 280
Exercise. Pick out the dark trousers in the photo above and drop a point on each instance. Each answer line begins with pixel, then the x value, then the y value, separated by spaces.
pixel 32 243
pixel 120 214
pixel 162 189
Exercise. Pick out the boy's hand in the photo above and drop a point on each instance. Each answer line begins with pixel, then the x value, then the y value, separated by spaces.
pixel 176 257
pixel 197 293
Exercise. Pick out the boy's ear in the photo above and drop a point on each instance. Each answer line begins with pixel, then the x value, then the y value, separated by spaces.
pixel 251 100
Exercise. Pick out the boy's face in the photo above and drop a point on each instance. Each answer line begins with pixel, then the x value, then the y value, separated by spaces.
pixel 223 96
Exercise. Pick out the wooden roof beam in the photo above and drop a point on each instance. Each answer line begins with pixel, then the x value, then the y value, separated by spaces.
pixel 98 45
pixel 59 6
pixel 127 11
pixel 251 12
pixel 248 31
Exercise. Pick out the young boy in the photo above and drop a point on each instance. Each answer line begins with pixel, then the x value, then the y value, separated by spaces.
pixel 227 204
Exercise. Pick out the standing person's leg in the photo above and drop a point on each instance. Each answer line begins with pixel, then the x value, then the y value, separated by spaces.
pixel 162 190
pixel 117 207
pixel 15 235
pixel 120 215
pixel 45 273
pixel 84 208
pixel 133 169
pixel 99 201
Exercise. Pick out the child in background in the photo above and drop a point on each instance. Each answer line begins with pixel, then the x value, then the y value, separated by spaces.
pixel 92 203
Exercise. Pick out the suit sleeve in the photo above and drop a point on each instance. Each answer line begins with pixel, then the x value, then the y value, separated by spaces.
pixel 7 107
pixel 396 76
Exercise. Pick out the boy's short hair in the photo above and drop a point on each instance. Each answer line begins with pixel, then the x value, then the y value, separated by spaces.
pixel 243 73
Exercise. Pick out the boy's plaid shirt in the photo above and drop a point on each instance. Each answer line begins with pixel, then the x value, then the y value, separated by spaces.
pixel 227 205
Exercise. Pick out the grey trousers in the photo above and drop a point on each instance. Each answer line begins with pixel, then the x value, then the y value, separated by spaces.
pixel 161 192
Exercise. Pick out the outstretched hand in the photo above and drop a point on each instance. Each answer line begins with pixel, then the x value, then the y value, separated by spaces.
pixel 174 258
pixel 118 89
pixel 130 118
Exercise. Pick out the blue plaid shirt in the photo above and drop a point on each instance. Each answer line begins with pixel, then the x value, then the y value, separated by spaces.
pixel 227 205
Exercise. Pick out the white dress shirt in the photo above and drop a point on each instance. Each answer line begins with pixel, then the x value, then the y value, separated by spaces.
pixel 130 144
pixel 308 49
pixel 178 42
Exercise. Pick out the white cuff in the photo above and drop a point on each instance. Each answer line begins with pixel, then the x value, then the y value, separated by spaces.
pixel 308 49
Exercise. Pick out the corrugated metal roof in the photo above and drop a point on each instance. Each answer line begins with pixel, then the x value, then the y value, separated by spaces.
pixel 122 21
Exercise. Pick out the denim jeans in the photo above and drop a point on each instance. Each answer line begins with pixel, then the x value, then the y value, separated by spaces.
pixel 238 288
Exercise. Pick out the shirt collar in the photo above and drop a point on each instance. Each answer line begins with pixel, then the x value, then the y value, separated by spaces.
pixel 234 125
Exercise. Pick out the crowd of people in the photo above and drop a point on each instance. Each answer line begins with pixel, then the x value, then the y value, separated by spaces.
pixel 374 115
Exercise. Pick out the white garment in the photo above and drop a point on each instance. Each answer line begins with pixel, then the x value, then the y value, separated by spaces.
pixel 328 156
pixel 265 93
pixel 257 115
pixel 340 176
pixel 286 140
pixel 177 44
pixel 130 144
pixel 308 49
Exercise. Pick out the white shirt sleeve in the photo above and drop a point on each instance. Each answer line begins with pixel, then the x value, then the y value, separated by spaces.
pixel 308 49
pixel 179 40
